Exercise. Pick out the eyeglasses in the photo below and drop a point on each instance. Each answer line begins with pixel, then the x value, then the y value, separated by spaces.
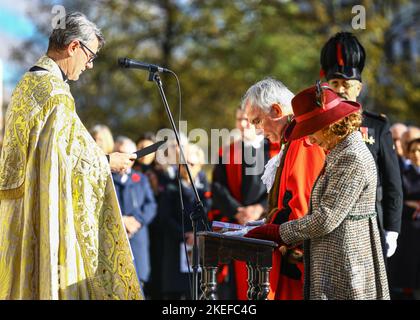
pixel 256 121
pixel 92 57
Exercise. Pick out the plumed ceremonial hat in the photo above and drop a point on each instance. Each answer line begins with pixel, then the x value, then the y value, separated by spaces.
pixel 342 57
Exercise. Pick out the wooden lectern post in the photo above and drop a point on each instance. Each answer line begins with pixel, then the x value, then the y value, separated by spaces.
pixel 217 248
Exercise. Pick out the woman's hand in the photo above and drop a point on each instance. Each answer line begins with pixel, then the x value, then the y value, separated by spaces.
pixel 267 231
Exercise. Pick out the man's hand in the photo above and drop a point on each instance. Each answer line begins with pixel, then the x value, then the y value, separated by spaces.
pixel 189 238
pixel 249 213
pixel 120 162
pixel 131 225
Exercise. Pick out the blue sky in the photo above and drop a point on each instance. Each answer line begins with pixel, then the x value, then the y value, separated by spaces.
pixel 15 26
pixel 14 23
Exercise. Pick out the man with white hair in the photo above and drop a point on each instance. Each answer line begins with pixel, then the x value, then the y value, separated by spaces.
pixel 61 232
pixel 289 178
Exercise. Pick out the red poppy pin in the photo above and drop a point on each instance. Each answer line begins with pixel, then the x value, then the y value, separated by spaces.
pixel 207 194
pixel 135 177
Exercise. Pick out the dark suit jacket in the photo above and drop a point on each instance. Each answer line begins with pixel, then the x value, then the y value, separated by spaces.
pixel 389 190
pixel 253 191
pixel 175 223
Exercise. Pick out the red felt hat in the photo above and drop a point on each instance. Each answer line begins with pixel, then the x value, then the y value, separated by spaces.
pixel 315 108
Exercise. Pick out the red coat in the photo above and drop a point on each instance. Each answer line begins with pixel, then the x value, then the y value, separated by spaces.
pixel 302 164
pixel 233 182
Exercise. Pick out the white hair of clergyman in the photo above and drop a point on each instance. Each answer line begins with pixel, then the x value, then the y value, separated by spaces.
pixel 267 92
pixel 77 27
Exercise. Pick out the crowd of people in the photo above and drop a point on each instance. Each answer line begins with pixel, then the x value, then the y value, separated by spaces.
pixel 404 265
pixel 156 220
pixel 236 197
pixel 340 193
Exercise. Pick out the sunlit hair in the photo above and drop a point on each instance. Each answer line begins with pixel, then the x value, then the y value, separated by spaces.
pixel 267 92
pixel 195 152
pixel 411 143
pixel 77 27
pixel 343 127
pixel 412 148
pixel 148 135
pixel 103 137
pixel 411 134
pixel 130 146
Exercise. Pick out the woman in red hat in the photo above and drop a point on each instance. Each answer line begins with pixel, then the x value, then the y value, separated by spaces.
pixel 343 255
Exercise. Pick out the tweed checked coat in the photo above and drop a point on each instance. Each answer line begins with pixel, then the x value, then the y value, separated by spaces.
pixel 343 253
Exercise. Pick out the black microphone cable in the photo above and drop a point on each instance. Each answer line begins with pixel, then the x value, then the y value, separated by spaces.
pixel 181 199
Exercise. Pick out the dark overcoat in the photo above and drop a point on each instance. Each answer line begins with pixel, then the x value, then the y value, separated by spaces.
pixel 136 199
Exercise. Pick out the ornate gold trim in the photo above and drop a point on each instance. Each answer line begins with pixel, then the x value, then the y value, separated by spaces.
pixel 15 193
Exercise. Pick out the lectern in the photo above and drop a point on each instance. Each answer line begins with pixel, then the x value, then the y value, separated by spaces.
pixel 218 248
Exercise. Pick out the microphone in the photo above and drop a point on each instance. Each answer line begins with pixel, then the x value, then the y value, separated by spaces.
pixel 130 63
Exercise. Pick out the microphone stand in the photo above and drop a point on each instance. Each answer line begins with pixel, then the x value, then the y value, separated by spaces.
pixel 198 212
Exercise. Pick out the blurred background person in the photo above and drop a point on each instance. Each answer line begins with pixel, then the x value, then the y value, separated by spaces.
pixel 239 197
pixel 103 137
pixel 138 208
pixel 147 164
pixel 145 140
pixel 410 134
pixel 405 264
pixel 178 227
pixel 118 161
pixel 161 176
pixel 397 130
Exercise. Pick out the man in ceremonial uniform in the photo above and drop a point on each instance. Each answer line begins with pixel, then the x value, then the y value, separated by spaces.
pixel 61 231
pixel 238 193
pixel 289 177
pixel 342 63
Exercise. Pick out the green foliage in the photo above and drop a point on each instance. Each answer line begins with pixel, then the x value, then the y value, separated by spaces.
pixel 218 49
